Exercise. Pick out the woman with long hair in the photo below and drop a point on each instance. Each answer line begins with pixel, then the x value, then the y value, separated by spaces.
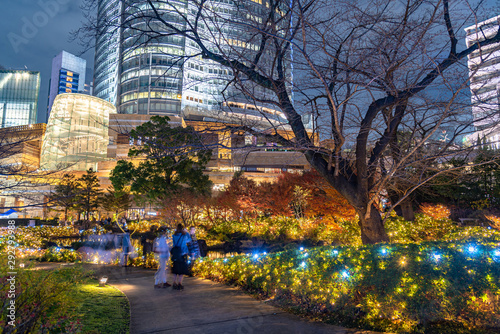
pixel 179 254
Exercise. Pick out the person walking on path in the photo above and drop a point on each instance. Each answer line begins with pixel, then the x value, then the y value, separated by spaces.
pixel 147 241
pixel 126 248
pixel 161 247
pixel 194 248
pixel 179 253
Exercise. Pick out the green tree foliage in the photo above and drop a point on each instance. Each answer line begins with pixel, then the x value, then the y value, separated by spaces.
pixel 89 193
pixel 65 194
pixel 116 200
pixel 172 159
pixel 476 186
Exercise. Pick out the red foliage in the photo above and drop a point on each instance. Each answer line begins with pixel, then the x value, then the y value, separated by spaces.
pixel 275 199
pixel 240 197
pixel 244 198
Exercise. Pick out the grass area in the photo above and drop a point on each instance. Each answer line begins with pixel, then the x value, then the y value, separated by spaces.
pixel 100 309
pixel 64 299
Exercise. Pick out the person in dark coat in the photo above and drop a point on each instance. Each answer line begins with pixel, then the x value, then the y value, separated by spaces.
pixel 147 240
pixel 179 256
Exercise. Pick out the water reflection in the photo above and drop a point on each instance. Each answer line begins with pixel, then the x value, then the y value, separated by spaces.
pixel 220 254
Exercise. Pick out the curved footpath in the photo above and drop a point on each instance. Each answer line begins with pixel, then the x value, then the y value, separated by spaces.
pixel 203 307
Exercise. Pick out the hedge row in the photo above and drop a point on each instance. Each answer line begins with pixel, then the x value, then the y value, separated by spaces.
pixel 391 287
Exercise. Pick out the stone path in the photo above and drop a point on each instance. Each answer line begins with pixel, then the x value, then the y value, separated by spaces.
pixel 204 307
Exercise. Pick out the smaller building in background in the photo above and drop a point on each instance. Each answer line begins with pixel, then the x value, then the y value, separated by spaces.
pixel 20 155
pixel 77 133
pixel 22 147
pixel 68 76
pixel 18 97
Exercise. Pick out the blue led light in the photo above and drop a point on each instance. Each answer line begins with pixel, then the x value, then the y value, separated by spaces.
pixel 225 260
pixel 436 257
pixel 303 264
pixel 335 252
pixel 301 249
pixel 256 256
pixel 345 274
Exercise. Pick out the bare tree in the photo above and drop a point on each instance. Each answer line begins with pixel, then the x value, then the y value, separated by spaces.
pixel 19 162
pixel 365 71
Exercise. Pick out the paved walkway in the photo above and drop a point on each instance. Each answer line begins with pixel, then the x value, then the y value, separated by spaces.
pixel 204 307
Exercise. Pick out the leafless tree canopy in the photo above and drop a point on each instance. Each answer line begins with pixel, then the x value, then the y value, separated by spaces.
pixel 19 162
pixel 383 79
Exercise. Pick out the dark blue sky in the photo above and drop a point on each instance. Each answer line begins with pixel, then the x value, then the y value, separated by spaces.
pixel 33 32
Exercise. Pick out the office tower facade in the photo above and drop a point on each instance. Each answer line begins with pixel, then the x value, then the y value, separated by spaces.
pixel 107 50
pixel 18 97
pixel 162 73
pixel 68 76
pixel 484 69
pixel 77 133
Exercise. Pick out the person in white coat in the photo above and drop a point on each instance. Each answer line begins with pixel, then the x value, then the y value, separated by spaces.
pixel 162 250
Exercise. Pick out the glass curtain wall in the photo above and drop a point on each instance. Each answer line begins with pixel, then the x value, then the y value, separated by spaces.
pixel 18 97
pixel 77 133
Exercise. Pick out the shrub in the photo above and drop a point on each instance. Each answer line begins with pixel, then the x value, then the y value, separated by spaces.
pixel 404 288
pixel 424 228
pixel 494 221
pixel 36 237
pixel 436 211
pixel 56 254
pixel 40 301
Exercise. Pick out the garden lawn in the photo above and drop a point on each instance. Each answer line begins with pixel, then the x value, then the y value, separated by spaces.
pixel 100 309
pixel 65 300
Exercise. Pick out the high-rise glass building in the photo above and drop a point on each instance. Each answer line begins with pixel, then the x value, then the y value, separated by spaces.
pixel 107 50
pixel 162 73
pixel 68 76
pixel 484 69
pixel 18 97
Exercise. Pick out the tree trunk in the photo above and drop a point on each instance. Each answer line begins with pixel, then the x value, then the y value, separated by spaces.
pixel 372 228
pixel 407 210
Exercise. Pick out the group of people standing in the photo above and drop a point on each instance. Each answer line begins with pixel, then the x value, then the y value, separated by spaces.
pixel 182 249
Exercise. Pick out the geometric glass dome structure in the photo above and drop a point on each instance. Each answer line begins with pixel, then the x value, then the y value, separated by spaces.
pixel 77 133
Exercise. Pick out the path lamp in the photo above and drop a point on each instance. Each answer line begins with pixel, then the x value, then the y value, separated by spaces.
pixel 103 281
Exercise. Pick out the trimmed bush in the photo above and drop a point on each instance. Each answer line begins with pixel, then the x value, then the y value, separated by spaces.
pixel 390 287
pixel 56 254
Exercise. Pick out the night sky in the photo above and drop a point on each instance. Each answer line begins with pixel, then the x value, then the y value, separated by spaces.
pixel 34 49
pixel 34 31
